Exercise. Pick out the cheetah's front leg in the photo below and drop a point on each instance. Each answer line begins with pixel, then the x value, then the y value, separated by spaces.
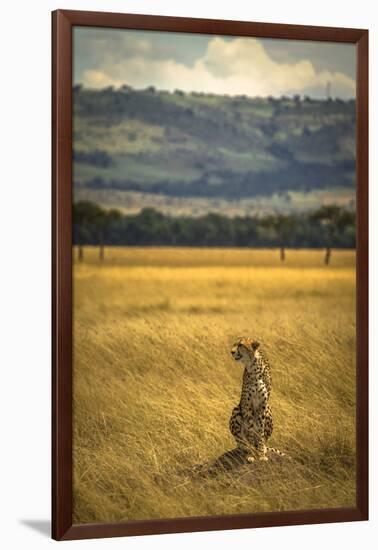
pixel 261 449
pixel 258 438
pixel 260 453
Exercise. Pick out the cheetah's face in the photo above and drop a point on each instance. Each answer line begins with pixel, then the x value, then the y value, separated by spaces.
pixel 244 349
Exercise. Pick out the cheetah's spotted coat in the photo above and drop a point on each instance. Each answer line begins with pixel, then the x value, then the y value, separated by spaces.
pixel 251 422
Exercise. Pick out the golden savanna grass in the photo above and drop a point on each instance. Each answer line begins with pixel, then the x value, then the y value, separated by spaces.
pixel 154 382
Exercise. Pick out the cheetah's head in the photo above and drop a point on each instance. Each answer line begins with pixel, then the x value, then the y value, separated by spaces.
pixel 244 349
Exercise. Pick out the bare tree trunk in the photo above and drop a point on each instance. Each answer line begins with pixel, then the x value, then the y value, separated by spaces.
pixel 81 253
pixel 327 257
pixel 282 254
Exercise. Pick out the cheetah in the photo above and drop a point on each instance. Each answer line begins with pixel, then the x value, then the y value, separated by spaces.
pixel 251 421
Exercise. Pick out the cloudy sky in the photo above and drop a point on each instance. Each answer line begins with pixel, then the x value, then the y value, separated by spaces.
pixel 215 64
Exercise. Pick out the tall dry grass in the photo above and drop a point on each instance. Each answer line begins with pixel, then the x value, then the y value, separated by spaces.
pixel 154 382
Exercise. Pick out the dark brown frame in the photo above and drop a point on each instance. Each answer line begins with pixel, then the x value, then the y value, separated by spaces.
pixel 62 23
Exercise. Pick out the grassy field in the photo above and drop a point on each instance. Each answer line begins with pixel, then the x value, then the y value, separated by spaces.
pixel 154 382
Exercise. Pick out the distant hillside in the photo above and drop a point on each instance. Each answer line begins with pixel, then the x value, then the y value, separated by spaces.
pixel 178 146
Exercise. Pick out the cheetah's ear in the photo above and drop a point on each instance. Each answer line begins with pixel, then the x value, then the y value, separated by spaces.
pixel 255 345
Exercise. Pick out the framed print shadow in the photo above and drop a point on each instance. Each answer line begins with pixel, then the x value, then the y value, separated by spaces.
pixel 210 274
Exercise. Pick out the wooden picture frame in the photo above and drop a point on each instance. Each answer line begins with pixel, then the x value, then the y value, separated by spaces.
pixel 62 334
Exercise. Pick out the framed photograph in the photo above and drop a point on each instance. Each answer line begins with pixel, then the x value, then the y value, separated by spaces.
pixel 210 274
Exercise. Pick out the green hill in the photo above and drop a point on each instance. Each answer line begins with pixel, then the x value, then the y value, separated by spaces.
pixel 169 149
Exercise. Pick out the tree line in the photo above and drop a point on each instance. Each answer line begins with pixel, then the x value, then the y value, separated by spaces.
pixel 327 227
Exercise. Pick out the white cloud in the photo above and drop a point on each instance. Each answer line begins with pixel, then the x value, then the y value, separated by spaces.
pixel 239 66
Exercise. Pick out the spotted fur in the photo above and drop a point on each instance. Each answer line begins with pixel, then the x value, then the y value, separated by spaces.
pixel 251 421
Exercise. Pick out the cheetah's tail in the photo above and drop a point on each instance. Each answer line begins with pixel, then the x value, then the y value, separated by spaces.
pixel 276 451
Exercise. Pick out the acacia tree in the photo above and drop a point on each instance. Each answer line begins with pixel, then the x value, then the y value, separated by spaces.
pixel 282 226
pixel 103 221
pixel 85 215
pixel 91 222
pixel 335 220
